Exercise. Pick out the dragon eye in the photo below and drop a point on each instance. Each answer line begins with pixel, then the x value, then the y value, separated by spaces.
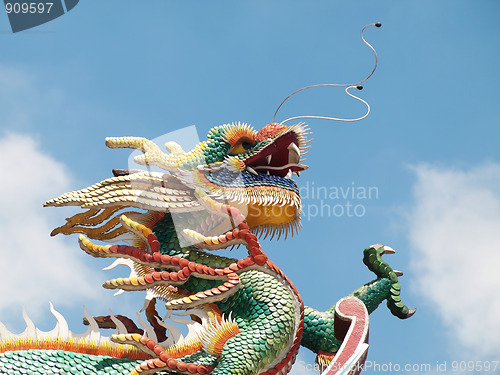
pixel 242 146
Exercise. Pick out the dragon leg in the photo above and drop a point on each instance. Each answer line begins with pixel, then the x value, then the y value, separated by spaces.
pixel 385 287
pixel 319 335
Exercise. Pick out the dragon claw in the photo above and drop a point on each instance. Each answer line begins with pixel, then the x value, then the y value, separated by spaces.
pixel 372 258
pixel 383 249
pixel 388 250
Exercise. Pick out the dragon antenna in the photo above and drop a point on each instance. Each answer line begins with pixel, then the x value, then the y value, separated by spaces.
pixel 348 86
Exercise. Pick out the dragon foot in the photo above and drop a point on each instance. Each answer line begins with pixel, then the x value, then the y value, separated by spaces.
pixel 373 260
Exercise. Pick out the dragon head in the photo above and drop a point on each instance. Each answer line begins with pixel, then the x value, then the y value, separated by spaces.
pixel 251 170
pixel 236 165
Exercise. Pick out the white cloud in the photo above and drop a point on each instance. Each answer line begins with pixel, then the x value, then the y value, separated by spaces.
pixel 455 240
pixel 35 267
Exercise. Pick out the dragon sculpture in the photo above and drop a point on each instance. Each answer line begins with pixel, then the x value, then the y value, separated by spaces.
pixel 174 215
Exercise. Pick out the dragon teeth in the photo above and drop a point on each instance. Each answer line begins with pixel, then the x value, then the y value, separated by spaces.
pixel 251 170
pixel 293 153
pixel 268 158
pixel 289 174
pixel 295 147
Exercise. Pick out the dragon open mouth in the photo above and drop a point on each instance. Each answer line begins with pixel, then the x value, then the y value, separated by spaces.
pixel 281 158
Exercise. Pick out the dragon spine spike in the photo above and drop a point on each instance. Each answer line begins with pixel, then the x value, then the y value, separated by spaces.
pixel 184 348
pixel 148 330
pixel 120 327
pixel 60 330
pixel 214 336
pixel 78 345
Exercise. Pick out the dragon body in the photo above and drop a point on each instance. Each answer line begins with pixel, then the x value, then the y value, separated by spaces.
pixel 247 316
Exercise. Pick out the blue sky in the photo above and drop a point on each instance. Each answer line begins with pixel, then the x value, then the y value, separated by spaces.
pixel 429 148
